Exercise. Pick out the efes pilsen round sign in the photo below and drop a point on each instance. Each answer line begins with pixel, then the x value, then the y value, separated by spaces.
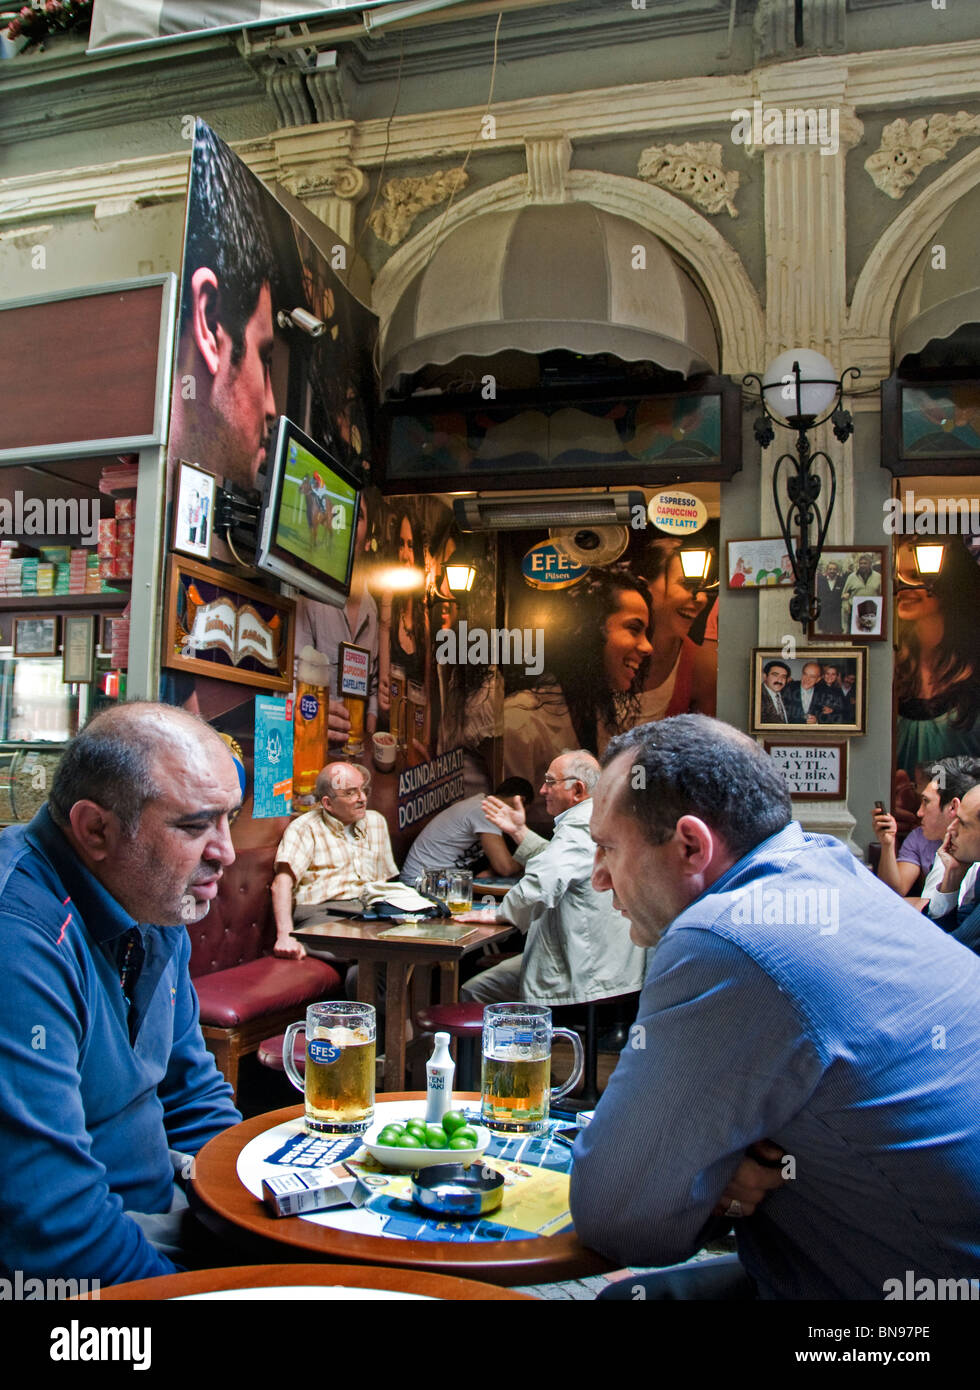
pixel 546 566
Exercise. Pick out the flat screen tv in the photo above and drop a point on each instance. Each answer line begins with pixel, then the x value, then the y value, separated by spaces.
pixel 308 522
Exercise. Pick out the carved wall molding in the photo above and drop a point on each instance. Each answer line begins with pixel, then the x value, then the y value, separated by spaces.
pixel 548 159
pixel 404 199
pixel 714 261
pixel 887 266
pixel 900 78
pixel 342 181
pixel 908 147
pixel 693 170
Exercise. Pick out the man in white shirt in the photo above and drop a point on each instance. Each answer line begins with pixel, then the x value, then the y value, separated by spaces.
pixel 578 946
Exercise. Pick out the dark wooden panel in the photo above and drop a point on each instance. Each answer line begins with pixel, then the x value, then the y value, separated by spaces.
pixel 79 369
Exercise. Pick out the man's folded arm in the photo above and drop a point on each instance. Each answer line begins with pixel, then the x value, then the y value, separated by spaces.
pixel 58 1217
pixel 692 1090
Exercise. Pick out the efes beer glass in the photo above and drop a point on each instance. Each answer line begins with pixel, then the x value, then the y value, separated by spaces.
pixel 516 1089
pixel 339 1081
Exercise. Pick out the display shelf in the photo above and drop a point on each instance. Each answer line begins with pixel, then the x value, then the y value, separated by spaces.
pixel 43 603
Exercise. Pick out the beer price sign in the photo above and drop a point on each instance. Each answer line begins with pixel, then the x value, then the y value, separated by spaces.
pixel 353 670
pixel 812 770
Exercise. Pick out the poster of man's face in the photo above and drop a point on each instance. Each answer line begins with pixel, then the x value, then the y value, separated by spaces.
pixel 267 328
pixel 814 688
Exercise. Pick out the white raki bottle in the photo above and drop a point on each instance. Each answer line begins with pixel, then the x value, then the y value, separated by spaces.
pixel 439 1071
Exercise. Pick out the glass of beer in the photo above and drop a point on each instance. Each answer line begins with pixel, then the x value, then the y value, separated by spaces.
pixel 355 707
pixel 516 1088
pixel 339 1081
pixel 459 891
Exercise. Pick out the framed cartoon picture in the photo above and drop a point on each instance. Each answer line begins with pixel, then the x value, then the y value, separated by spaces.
pixel 193 510
pixel 819 689
pixel 852 586
pixel 759 564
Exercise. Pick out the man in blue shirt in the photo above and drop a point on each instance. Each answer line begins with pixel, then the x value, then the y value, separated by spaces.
pixel 792 999
pixel 106 1087
pixel 960 849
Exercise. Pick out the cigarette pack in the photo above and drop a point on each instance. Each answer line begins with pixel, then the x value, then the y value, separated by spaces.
pixel 295 1194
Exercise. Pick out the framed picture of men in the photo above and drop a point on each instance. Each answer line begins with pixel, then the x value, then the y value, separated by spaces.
pixel 852 586
pixel 818 688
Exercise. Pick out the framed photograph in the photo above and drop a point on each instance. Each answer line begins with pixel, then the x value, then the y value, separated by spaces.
pixel 193 510
pixel 817 771
pixel 217 625
pixel 105 633
pixel 36 636
pixel 818 690
pixel 759 564
pixel 78 649
pixel 852 586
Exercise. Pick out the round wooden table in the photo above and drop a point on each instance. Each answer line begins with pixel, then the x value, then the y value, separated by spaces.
pixel 223 1201
pixel 353 1277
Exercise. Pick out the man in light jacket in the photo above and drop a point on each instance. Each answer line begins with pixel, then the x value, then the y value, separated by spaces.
pixel 578 946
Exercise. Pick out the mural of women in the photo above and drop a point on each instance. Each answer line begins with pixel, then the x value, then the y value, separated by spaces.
pixel 937 668
pixel 595 654
pixel 403 640
pixel 681 677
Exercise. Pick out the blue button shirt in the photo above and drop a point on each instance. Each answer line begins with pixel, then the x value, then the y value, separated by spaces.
pixel 798 999
pixel 93 1094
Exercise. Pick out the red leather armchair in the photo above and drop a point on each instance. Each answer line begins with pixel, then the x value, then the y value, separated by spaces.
pixel 245 995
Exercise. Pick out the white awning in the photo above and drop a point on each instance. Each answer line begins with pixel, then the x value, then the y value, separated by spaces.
pixel 563 275
pixel 937 299
pixel 124 23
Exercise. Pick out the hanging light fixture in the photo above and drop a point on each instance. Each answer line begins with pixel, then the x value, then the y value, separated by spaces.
pixel 799 386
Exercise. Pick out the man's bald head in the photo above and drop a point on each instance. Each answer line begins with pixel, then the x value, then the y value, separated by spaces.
pixel 112 761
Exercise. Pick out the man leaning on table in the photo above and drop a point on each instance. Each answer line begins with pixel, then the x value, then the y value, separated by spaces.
pixel 577 945
pixel 328 854
pixel 793 1000
pixel 106 1088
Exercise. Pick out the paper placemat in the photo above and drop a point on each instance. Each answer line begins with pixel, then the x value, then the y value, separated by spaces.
pixel 535 1169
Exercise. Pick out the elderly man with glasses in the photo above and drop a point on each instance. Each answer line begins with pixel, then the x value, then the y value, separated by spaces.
pixel 578 946
pixel 329 854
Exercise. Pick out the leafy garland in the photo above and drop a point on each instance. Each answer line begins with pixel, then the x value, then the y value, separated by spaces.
pixel 43 17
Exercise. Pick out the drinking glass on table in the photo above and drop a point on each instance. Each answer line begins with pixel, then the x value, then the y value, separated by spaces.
pixel 434 884
pixel 459 891
pixel 339 1081
pixel 516 1087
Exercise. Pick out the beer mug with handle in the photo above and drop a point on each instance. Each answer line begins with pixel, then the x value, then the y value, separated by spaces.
pixel 339 1081
pixel 516 1092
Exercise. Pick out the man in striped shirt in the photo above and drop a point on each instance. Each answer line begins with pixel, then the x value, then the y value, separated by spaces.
pixel 330 853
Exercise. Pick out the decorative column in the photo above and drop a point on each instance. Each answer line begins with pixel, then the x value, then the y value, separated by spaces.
pixel 806 298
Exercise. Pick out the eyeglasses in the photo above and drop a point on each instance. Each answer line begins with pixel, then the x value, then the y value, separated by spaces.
pixel 351 793
pixel 550 781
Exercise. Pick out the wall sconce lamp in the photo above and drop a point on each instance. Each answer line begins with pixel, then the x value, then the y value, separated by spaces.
pixel 799 386
pixel 303 320
pixel 459 577
pixel 929 558
pixel 696 564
